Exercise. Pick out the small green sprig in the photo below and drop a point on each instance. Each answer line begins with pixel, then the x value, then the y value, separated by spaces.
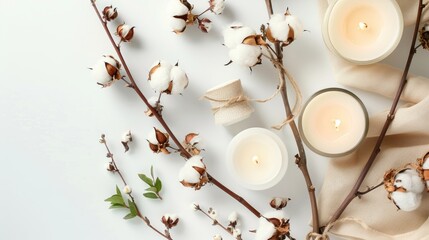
pixel 117 201
pixel 155 185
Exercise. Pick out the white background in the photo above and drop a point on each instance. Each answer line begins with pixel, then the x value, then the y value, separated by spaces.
pixel 52 176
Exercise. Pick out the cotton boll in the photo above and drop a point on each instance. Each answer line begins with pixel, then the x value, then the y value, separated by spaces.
pixel 217 6
pixel 295 24
pixel 159 76
pixel 188 173
pixel 106 70
pixel 176 8
pixel 151 137
pixel 246 55
pixel 410 180
pixel 179 80
pixel 235 34
pixel 233 217
pixel 177 24
pixel 217 237
pixel 265 230
pixel 99 72
pixel 406 201
pixel 284 28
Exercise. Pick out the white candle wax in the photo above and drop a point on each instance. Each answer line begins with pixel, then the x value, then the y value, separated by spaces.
pixel 333 122
pixel 257 158
pixel 363 31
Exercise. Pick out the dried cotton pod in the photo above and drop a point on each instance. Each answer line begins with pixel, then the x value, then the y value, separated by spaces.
pixel 127 138
pixel 106 70
pixel 170 220
pixel 205 25
pixel 424 36
pixel 284 28
pixel 273 225
pixel 193 173
pixel 424 168
pixel 180 15
pixel 217 6
pixel 158 141
pixel 109 13
pixel 279 203
pixel 190 143
pixel 125 32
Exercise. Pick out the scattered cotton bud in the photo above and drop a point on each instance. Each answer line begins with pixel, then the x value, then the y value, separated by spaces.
pixel 160 76
pixel 406 201
pixel 279 203
pixel 180 15
pixel 233 217
pixel 235 34
pixel 110 167
pixel 193 173
pixel 284 28
pixel 205 25
pixel 110 13
pixel 154 102
pixel 236 233
pixel 127 189
pixel 424 36
pixel 106 70
pixel 273 225
pixel 212 213
pixel 158 141
pixel 217 6
pixel 125 32
pixel 126 138
pixel 178 81
pixel 246 55
pixel 102 139
pixel 195 206
pixel 410 181
pixel 217 237
pixel 170 221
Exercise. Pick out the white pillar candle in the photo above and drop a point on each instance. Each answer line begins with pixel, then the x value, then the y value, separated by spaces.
pixel 333 122
pixel 257 158
pixel 363 31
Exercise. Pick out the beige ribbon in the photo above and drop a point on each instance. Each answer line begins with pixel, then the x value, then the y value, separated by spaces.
pixel 242 98
pixel 325 236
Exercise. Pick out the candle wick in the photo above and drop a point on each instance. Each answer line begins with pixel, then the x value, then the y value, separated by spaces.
pixel 363 25
pixel 337 123
pixel 255 159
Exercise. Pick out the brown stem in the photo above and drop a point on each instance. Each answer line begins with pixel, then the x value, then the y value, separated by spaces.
pixel 354 192
pixel 301 159
pixel 139 214
pixel 161 119
pixel 369 189
pixel 215 222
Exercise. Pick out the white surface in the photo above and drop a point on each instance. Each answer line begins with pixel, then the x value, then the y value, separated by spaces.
pixel 52 112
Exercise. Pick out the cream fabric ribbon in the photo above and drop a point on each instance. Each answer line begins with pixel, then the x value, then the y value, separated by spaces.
pixel 374 216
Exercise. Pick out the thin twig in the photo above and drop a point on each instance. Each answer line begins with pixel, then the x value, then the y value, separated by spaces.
pixel 162 121
pixel 139 214
pixel 369 189
pixel 301 159
pixel 354 192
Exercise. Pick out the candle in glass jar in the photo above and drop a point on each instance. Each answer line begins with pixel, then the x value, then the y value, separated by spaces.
pixel 363 31
pixel 257 158
pixel 333 122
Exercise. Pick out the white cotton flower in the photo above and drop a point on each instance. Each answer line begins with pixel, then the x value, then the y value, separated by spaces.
pixel 159 76
pixel 127 137
pixel 177 13
pixel 410 180
pixel 236 232
pixel 281 25
pixel 106 70
pixel 266 229
pixel 235 34
pixel 246 55
pixel 213 214
pixel 217 237
pixel 188 173
pixel 127 189
pixel 217 6
pixel 407 201
pixel 233 217
pixel 179 80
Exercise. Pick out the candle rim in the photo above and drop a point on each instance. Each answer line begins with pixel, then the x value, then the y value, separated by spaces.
pixel 283 153
pixel 334 89
pixel 331 47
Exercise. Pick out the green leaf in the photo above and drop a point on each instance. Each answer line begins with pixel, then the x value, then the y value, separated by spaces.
pixel 145 179
pixel 150 195
pixel 152 189
pixel 158 185
pixel 129 216
pixel 133 207
pixel 118 192
pixel 115 199
pixel 116 206
pixel 151 172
